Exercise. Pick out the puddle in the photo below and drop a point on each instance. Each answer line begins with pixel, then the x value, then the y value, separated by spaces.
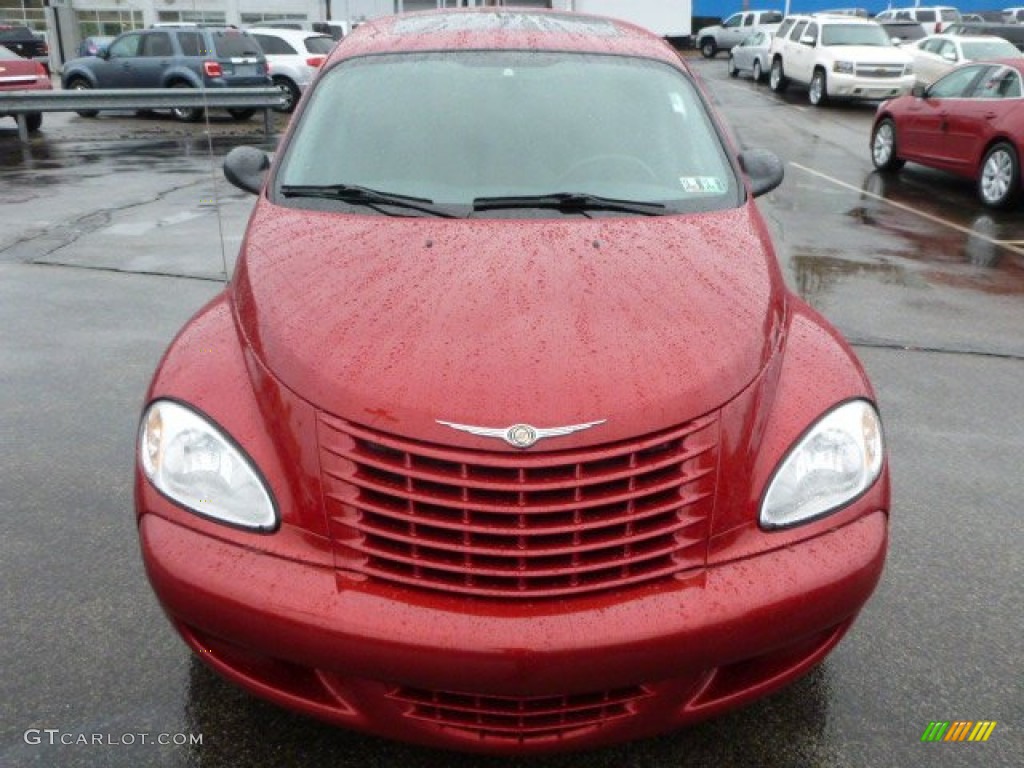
pixel 918 229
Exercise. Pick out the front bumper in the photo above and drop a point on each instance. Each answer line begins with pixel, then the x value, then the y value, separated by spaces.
pixel 842 86
pixel 239 81
pixel 479 675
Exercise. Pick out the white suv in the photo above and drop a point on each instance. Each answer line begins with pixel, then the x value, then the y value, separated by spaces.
pixel 838 57
pixel 293 58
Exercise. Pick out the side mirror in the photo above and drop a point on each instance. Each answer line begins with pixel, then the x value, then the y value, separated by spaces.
pixel 949 55
pixel 246 168
pixel 103 53
pixel 764 168
pixel 808 39
pixel 918 90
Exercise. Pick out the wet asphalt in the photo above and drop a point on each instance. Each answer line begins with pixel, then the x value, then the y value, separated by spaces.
pixel 110 238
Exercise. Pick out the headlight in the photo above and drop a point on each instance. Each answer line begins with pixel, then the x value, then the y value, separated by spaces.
pixel 832 464
pixel 192 462
pixel 843 67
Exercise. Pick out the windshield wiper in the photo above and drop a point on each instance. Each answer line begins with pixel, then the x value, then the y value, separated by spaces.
pixel 356 195
pixel 570 202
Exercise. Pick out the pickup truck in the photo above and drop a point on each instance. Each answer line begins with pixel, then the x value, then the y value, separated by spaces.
pixel 734 30
pixel 26 43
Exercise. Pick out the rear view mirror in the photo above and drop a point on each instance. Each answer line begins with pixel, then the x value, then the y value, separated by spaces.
pixel 764 169
pixel 246 168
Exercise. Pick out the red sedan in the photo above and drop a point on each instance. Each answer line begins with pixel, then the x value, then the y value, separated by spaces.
pixel 970 123
pixel 18 74
pixel 506 434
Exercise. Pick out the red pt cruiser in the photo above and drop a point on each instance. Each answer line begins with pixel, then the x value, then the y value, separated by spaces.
pixel 506 434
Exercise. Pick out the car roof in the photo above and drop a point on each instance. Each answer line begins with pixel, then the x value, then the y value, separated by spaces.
pixel 955 37
pixel 833 18
pixel 185 26
pixel 984 38
pixel 1017 64
pixel 502 29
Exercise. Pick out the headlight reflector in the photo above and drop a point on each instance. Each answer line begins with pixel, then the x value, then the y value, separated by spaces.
pixel 838 459
pixel 195 464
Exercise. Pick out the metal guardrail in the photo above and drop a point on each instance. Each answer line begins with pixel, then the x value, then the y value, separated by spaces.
pixel 20 103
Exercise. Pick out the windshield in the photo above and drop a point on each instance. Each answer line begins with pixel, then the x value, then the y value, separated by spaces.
pixel 854 34
pixel 454 128
pixel 232 43
pixel 989 49
pixel 15 33
pixel 322 44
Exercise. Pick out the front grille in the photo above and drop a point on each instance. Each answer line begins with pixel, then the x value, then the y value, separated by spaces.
pixel 518 525
pixel 519 719
pixel 880 70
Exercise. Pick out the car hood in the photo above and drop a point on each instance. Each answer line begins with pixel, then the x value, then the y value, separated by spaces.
pixel 873 54
pixel 396 323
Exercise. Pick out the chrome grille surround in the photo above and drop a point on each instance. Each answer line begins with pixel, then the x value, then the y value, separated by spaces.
pixel 521 525
pixel 879 70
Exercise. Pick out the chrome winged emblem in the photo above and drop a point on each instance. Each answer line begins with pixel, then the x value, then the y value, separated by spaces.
pixel 521 435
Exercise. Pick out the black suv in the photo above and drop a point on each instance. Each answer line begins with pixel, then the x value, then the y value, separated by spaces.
pixel 173 57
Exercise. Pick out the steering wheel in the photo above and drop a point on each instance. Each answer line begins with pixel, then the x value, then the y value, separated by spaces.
pixel 600 165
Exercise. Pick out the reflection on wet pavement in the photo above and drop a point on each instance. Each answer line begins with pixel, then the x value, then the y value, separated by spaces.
pixel 895 265
pixel 900 234
pixel 817 272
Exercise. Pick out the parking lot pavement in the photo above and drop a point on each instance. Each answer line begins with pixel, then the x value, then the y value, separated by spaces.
pixel 106 248
pixel 158 206
pixel 908 260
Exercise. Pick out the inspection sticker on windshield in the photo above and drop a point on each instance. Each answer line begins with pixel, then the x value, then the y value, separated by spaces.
pixel 705 184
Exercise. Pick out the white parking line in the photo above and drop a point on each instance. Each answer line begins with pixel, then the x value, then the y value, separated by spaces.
pixel 1010 245
pixel 734 86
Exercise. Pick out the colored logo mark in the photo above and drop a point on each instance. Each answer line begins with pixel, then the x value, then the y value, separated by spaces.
pixel 958 730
